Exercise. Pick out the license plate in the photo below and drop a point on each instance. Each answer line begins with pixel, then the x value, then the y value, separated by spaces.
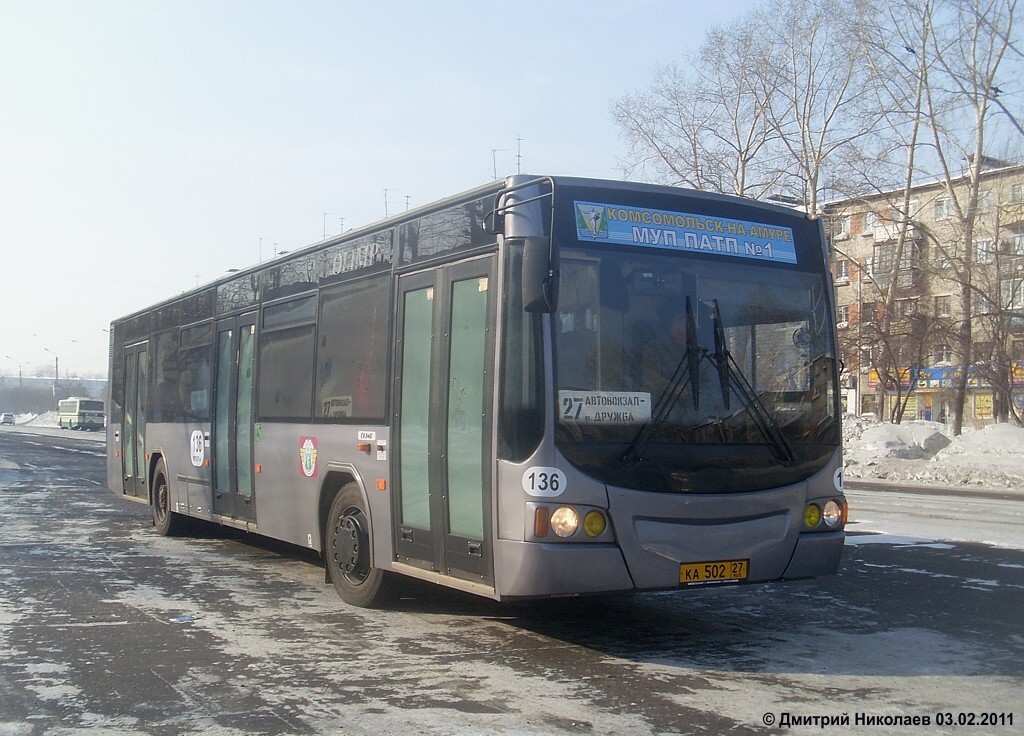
pixel 711 572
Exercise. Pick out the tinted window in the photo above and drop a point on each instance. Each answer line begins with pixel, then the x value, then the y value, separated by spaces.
pixel 286 360
pixel 352 354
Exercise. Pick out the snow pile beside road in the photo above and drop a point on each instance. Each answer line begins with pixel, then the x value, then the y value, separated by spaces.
pixel 923 452
pixel 48 419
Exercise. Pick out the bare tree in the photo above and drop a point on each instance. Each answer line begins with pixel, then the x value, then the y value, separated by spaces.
pixel 709 128
pixel 816 67
pixel 769 100
pixel 968 42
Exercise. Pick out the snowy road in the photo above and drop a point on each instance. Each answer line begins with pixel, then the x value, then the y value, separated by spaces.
pixel 927 513
pixel 106 627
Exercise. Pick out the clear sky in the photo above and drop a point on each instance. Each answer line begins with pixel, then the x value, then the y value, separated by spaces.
pixel 149 146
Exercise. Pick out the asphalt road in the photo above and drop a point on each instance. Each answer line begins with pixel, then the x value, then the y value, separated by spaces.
pixel 107 627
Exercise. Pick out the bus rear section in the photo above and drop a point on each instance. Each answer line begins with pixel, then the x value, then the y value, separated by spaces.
pixel 80 413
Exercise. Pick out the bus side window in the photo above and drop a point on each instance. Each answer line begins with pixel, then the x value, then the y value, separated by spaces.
pixel 352 350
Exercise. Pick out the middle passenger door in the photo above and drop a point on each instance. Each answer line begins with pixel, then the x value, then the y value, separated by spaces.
pixel 443 390
pixel 233 418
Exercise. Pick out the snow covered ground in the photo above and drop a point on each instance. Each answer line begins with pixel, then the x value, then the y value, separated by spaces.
pixel 915 452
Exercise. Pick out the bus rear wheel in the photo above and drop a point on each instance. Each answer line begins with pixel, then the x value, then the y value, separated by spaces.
pixel 166 522
pixel 348 553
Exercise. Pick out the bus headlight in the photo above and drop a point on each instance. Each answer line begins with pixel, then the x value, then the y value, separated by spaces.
pixel 812 515
pixel 564 521
pixel 832 514
pixel 594 524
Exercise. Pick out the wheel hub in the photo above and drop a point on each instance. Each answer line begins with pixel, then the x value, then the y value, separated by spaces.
pixel 350 547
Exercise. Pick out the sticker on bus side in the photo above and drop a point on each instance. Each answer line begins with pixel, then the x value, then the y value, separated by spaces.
pixel 683 231
pixel 198 447
pixel 543 482
pixel 307 456
pixel 605 407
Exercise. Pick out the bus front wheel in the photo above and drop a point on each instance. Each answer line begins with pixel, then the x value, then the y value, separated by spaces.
pixel 348 553
pixel 167 522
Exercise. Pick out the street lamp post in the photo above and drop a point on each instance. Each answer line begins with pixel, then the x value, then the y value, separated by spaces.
pixel 19 369
pixel 56 370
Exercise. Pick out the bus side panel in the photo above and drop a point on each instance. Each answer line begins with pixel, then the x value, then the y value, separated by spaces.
pixel 292 464
pixel 115 400
pixel 114 480
pixel 185 449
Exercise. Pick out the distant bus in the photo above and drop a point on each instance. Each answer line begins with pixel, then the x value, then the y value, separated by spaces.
pixel 542 387
pixel 80 413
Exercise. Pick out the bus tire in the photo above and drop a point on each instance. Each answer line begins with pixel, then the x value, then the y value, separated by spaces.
pixel 347 549
pixel 166 522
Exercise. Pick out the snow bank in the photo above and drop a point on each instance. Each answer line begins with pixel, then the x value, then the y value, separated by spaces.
pixel 924 452
pixel 47 419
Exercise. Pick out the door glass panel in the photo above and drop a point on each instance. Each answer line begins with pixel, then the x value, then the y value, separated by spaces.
pixel 131 397
pixel 222 411
pixel 413 432
pixel 466 408
pixel 243 415
pixel 140 417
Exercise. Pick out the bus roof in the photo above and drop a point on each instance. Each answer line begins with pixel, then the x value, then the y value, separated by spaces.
pixel 469 195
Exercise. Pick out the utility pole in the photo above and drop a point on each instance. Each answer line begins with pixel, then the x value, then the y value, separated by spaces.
pixel 386 190
pixel 519 154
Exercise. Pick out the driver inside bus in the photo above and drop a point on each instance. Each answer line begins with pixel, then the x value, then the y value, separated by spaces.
pixel 662 355
pixel 665 354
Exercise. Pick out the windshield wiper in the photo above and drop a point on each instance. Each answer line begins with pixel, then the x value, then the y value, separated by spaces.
pixel 731 376
pixel 686 373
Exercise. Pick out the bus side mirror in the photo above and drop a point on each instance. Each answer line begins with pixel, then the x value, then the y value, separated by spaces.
pixel 540 274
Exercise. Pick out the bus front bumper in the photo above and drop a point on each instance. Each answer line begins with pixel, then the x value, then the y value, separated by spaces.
pixel 816 553
pixel 535 569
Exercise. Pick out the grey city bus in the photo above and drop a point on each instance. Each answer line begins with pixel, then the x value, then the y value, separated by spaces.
pixel 545 386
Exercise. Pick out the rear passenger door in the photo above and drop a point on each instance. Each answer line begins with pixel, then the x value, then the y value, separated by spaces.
pixel 133 422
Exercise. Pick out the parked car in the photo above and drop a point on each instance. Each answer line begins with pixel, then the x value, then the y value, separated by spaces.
pixel 7 418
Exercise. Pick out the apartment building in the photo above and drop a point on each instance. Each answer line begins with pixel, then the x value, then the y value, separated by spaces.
pixel 899 265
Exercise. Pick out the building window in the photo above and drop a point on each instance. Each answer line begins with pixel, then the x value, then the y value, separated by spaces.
pixel 842 270
pixel 943 354
pixel 1014 246
pixel 1011 293
pixel 981 305
pixel 870 220
pixel 984 250
pixel 942 209
pixel 843 314
pixel 943 306
pixel 1017 194
pixel 841 226
pixel 986 202
pixel 882 261
pixel 906 307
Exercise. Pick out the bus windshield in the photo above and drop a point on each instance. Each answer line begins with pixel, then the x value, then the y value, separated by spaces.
pixel 684 374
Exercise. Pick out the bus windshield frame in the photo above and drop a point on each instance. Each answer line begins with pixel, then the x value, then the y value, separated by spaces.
pixel 689 369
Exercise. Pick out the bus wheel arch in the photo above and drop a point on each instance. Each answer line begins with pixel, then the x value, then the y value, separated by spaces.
pixel 166 522
pixel 348 550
